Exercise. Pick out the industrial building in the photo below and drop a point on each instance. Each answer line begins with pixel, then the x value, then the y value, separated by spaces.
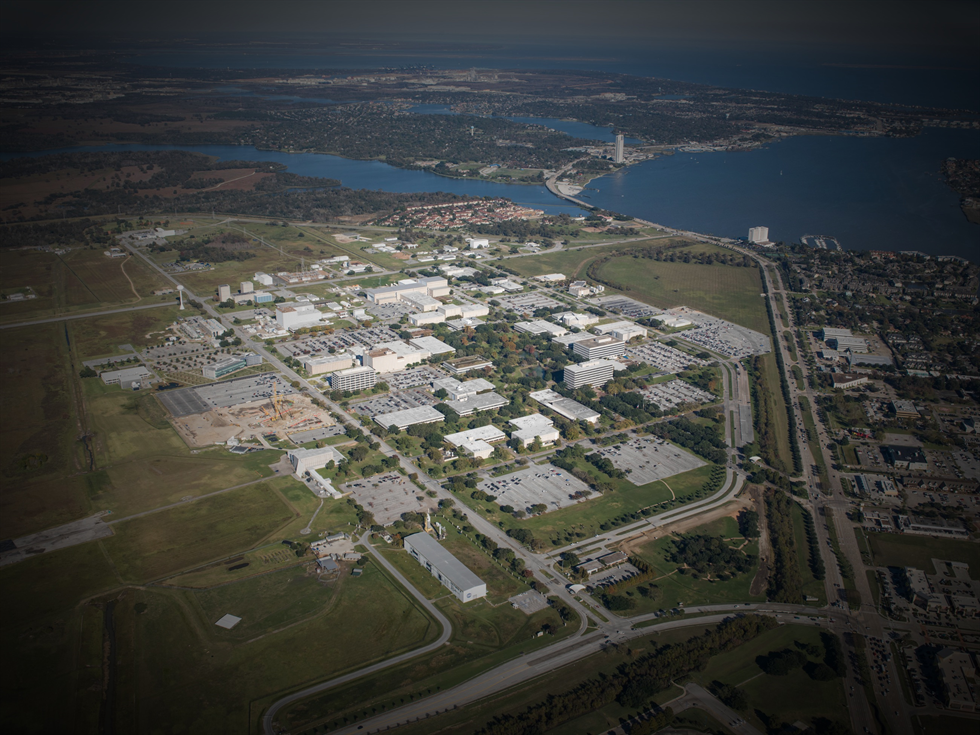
pixel 298 316
pixel 540 326
pixel 224 293
pixel 621 330
pixel 566 407
pixel 593 372
pixel 327 363
pixel 304 460
pixel 246 287
pixel 673 322
pixel 394 356
pixel 832 332
pixel 263 278
pixel 130 378
pixel 905 409
pixel 853 344
pixel 577 320
pixel 960 681
pixel 409 417
pixel 848 380
pixel 298 279
pixel 432 345
pixel 904 458
pixel 445 567
pixel 871 360
pixel 597 347
pixel 535 426
pixel 423 318
pixel 434 286
pixel 477 442
pixel 618 149
pixel 355 378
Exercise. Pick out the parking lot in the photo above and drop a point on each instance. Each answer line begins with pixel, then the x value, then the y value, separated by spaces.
pixel 315 435
pixel 390 312
pixel 528 302
pixel 611 576
pixel 675 393
pixel 189 401
pixel 411 378
pixel 411 398
pixel 662 357
pixel 648 459
pixel 627 306
pixel 388 496
pixel 546 485
pixel 339 341
pixel 721 336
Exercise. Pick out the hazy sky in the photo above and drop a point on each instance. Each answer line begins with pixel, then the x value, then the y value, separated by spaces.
pixel 900 24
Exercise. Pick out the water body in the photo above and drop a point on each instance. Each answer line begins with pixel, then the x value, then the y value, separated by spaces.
pixel 870 193
pixel 353 174
pixel 569 127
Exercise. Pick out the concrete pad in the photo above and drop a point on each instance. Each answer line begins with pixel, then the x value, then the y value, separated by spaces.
pixel 228 622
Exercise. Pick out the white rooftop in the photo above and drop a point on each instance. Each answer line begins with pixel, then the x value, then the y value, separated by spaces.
pixel 488 433
pixel 431 344
pixel 534 421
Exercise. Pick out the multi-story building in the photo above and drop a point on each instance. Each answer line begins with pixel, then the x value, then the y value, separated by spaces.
pixel 597 347
pixel 445 567
pixel 594 372
pixel 355 378
pixel 618 150
pixel 327 363
pixel 224 292
pixel 297 316
pixel 224 367
pixel 433 286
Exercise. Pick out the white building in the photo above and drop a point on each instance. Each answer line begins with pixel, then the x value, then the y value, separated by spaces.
pixel 298 316
pixel 432 345
pixel 622 330
pixel 565 406
pixel 327 363
pixel 759 235
pixel 445 567
pixel 477 442
pixel 391 357
pixel 460 391
pixel 535 426
pixel 434 286
pixel 477 243
pixel 571 319
pixel 618 149
pixel 673 322
pixel 409 417
pixel 246 287
pixel 594 372
pixel 304 460
pixel 355 378
pixel 132 378
pixel 550 278
pixel 597 347
pixel 540 326
pixel 224 293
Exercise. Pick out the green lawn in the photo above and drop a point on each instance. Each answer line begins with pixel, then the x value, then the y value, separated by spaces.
pixel 571 262
pixel 893 550
pixel 99 336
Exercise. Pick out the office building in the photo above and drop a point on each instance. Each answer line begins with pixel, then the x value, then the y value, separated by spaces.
pixel 409 417
pixel 540 326
pixel 394 356
pixel 433 286
pixel 355 378
pixel 298 316
pixel 566 407
pixel 597 347
pixel 618 149
pixel 224 367
pixel 759 235
pixel 131 378
pixel 594 372
pixel 304 460
pixel 327 363
pixel 445 567
pixel 477 442
pixel 474 403
pixel 224 293
pixel 535 426
pixel 246 287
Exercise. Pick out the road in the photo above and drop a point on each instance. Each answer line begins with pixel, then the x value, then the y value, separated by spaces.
pixel 86 315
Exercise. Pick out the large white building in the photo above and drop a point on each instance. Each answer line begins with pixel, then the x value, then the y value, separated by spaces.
pixel 327 363
pixel 461 390
pixel 540 326
pixel 596 347
pixel 297 316
pixel 759 235
pixel 622 330
pixel 565 406
pixel 304 460
pixel 594 372
pixel 433 286
pixel 445 567
pixel 409 417
pixel 392 357
pixel 618 149
pixel 477 441
pixel 535 426
pixel 576 319
pixel 355 378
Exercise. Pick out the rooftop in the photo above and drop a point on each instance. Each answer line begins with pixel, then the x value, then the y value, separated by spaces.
pixel 488 433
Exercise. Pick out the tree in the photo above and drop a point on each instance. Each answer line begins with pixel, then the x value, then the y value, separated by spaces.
pixel 88 372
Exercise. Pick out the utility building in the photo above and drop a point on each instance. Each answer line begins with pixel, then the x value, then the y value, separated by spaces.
pixel 445 567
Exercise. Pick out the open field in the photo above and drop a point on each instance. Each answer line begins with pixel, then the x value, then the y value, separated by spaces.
pixel 785 698
pixel 893 550
pixel 724 291
pixel 79 280
pixel 571 261
pixel 680 589
pixel 101 335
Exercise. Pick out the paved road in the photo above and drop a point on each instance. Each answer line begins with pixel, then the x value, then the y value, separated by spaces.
pixel 86 315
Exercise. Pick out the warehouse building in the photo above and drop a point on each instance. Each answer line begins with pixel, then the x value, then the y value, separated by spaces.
pixel 432 345
pixel 535 426
pixel 298 316
pixel 129 378
pixel 327 363
pixel 593 372
pixel 482 402
pixel 445 567
pixel 831 333
pixel 870 360
pixel 434 287
pixel 540 326
pixel 355 378
pixel 853 344
pixel 409 417
pixel 566 407
pixel 596 347
pixel 392 357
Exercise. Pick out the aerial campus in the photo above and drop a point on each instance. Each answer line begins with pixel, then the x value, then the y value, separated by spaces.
pixel 451 464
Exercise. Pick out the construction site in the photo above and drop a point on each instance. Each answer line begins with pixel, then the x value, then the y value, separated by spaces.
pixel 260 408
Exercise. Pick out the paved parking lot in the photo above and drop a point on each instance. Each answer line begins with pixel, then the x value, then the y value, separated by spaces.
pixel 611 576
pixel 528 302
pixel 721 336
pixel 675 393
pixel 411 378
pixel 339 341
pixel 662 357
pixel 390 312
pixel 189 401
pixel 388 496
pixel 315 435
pixel 627 306
pixel 545 484
pixel 411 398
pixel 648 459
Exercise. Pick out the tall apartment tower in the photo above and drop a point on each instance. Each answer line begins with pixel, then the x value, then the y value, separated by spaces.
pixel 759 234
pixel 618 155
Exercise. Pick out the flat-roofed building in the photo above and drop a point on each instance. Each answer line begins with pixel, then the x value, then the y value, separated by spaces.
pixel 597 347
pixel 481 402
pixel 304 460
pixel 848 380
pixel 567 340
pixel 129 378
pixel 224 292
pixel 937 527
pixel 573 319
pixel 470 311
pixel 394 356
pixel 433 286
pixel 593 372
pixel 535 426
pixel 851 344
pixel 540 326
pixel 421 301
pixel 905 410
pixel 870 360
pixel 432 345
pixel 445 567
pixel 477 441
pixel 451 310
pixel 669 321
pixel 460 365
pixel 462 390
pixel 409 417
pixel 831 332
pixel 959 675
pixel 327 363
pixel 565 406
pixel 354 378
pixel 904 458
pixel 297 316
pixel 423 318
pixel 551 278
pixel 224 367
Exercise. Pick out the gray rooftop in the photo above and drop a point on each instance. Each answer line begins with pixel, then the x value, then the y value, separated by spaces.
pixel 447 564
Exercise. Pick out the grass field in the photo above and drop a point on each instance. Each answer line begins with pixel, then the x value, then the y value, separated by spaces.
pixel 676 588
pixel 783 698
pixel 571 261
pixel 101 335
pixel 163 543
pixel 811 587
pixel 892 550
pixel 584 520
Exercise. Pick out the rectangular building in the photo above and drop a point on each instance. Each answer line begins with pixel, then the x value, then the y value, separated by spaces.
pixel 445 567
pixel 432 345
pixel 224 367
pixel 597 347
pixel 852 344
pixel 392 357
pixel 327 363
pixel 409 417
pixel 132 377
pixel 535 426
pixel 481 402
pixel 594 372
pixel 355 378
pixel 540 326
pixel 904 458
pixel 565 406
pixel 477 442
pixel 224 292
pixel 460 365
pixel 298 316
pixel 304 460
